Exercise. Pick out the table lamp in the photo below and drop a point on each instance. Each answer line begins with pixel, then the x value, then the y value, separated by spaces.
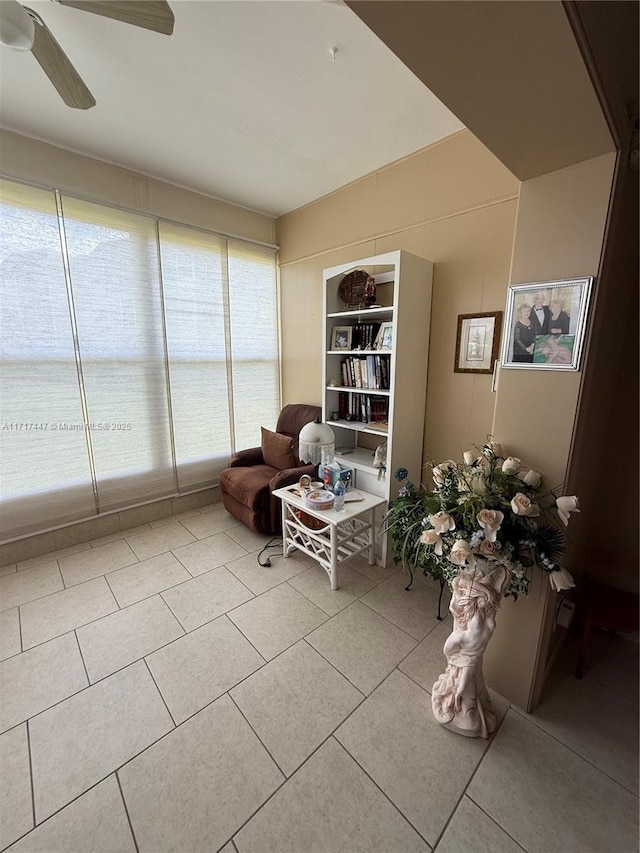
pixel 316 442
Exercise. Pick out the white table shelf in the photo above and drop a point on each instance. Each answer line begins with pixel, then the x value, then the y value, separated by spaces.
pixel 344 534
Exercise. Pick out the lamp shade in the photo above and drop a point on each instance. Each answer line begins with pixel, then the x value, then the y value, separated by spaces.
pixel 316 442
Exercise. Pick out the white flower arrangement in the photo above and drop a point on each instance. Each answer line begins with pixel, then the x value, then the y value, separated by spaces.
pixel 482 512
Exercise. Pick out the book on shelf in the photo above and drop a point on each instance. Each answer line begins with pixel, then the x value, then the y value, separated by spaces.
pixel 364 334
pixel 358 372
pixel 384 369
pixel 342 405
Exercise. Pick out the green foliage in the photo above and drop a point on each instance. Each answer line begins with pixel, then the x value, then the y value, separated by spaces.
pixel 517 531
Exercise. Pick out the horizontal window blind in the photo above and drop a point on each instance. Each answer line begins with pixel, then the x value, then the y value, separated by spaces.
pixel 255 363
pixel 44 468
pixel 194 275
pixel 135 356
pixel 115 281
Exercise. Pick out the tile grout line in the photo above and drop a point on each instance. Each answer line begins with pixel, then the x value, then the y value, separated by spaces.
pixel 143 657
pixel 19 632
pixel 33 792
pixel 126 811
pixel 528 719
pixel 383 792
pixel 69 630
pixel 164 701
pixel 205 510
pixel 299 768
pixel 494 821
pixel 91 683
pixel 167 605
pixel 318 652
pixel 262 743
pixel 301 592
pixel 471 778
pixel 114 770
pixel 73 800
pixel 135 660
pixel 39 597
pixel 304 638
pixel 120 607
pixel 86 671
pixel 330 735
pixel 257 651
pixel 404 630
pixel 121 568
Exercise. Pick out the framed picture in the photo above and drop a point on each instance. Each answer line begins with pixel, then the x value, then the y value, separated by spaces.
pixel 341 337
pixel 384 338
pixel 477 342
pixel 545 324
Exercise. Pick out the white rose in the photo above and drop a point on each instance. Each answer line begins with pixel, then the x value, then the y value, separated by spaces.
pixel 532 478
pixel 511 465
pixel 567 504
pixel 468 457
pixel 521 505
pixel 442 522
pixel 560 580
pixel 488 550
pixel 490 521
pixel 461 553
pixel 430 537
pixel 438 476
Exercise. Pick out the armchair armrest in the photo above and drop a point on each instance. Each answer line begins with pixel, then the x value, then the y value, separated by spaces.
pixel 246 458
pixel 286 477
pixel 289 476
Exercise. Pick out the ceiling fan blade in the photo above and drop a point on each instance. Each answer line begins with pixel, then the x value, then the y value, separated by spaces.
pixel 58 68
pixel 153 15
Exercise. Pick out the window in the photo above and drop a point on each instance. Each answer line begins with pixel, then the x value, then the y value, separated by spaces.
pixel 135 355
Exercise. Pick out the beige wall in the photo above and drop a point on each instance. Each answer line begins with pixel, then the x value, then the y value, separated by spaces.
pixel 511 72
pixel 559 234
pixel 40 163
pixel 423 205
pixel 452 203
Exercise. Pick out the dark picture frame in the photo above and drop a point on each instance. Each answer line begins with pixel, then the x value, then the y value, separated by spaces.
pixel 341 337
pixel 545 324
pixel 477 342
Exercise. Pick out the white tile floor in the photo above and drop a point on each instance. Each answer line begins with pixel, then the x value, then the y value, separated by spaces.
pixel 160 691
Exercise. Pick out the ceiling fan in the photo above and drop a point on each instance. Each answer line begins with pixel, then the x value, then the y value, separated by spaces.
pixel 23 29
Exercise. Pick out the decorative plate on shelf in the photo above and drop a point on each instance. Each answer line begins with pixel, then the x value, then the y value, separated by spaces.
pixel 357 289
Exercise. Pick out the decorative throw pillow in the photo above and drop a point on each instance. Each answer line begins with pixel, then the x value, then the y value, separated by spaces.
pixel 277 450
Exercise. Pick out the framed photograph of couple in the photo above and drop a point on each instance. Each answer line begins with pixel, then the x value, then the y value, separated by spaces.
pixel 477 342
pixel 545 324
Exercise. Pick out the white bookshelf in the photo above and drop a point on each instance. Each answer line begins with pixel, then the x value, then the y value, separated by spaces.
pixel 403 292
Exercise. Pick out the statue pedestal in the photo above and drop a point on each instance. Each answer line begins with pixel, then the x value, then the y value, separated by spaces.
pixel 459 699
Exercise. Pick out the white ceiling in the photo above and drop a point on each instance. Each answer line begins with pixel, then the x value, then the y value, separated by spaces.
pixel 244 101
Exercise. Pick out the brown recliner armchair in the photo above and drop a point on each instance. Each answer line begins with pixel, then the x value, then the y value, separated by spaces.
pixel 247 483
